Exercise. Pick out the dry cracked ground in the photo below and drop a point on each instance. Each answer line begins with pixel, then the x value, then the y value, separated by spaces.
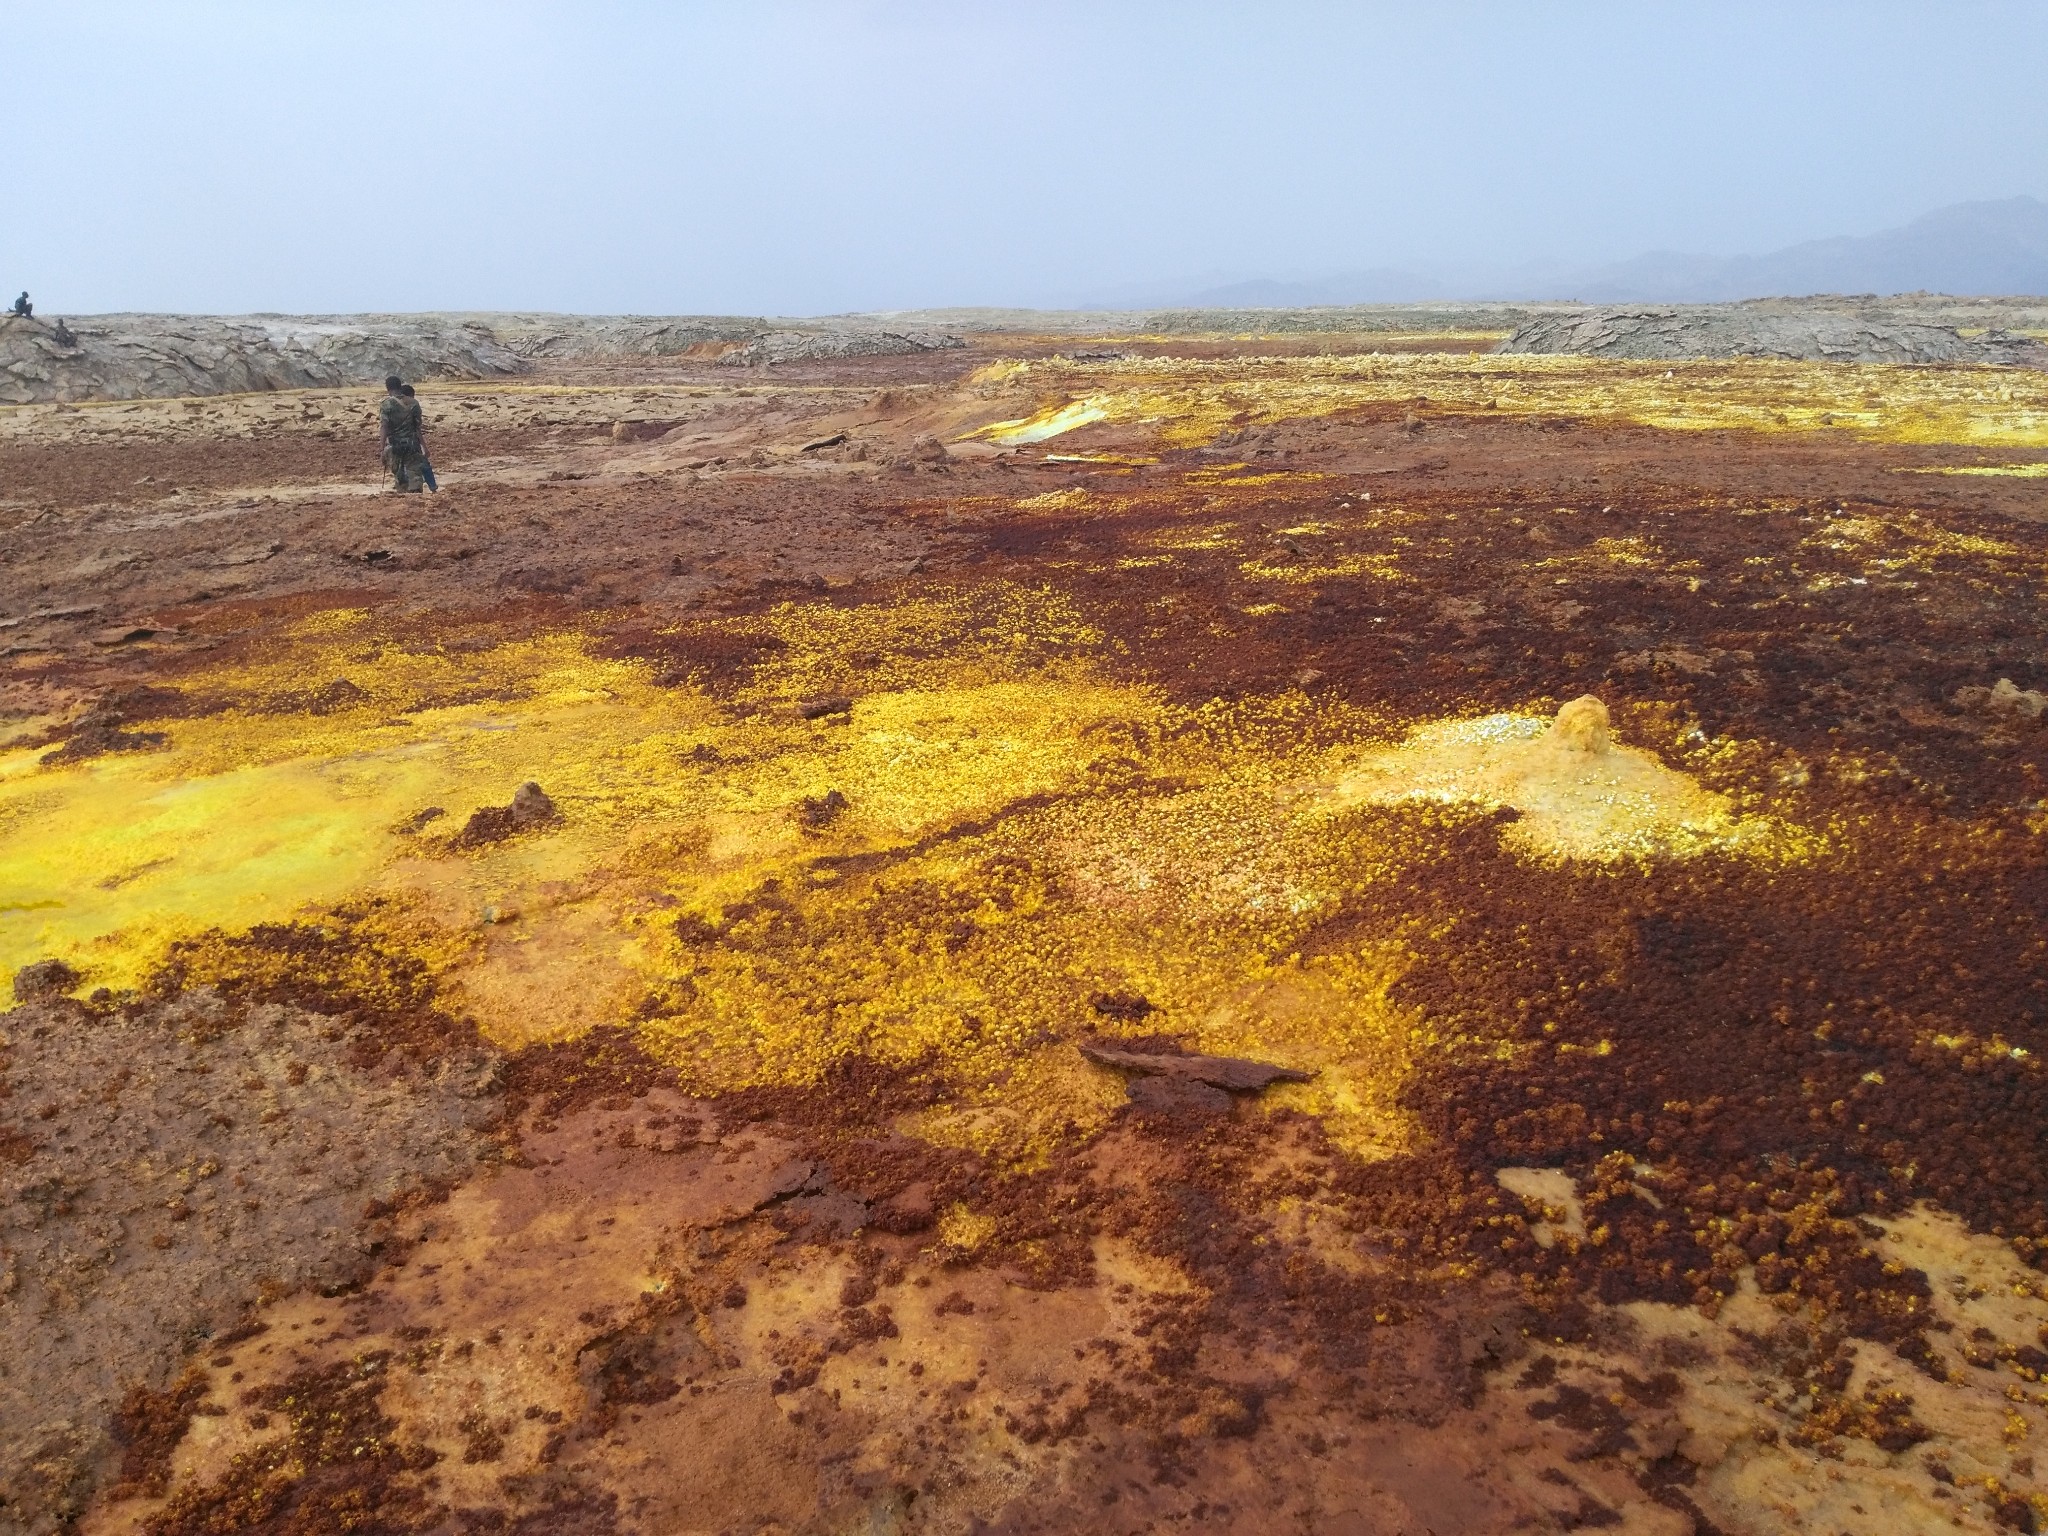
pixel 1116 936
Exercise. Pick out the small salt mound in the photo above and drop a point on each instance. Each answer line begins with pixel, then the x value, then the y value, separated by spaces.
pixel 1581 795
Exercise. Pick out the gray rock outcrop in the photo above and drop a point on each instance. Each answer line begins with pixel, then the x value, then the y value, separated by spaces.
pixel 803 346
pixel 131 357
pixel 1730 331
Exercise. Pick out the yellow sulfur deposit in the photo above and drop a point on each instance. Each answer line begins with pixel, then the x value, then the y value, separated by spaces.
pixel 1580 795
pixel 2032 471
pixel 313 787
pixel 943 866
pixel 1192 401
pixel 1037 428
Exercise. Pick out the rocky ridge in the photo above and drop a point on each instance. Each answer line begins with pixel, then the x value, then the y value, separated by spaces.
pixel 132 357
pixel 1806 335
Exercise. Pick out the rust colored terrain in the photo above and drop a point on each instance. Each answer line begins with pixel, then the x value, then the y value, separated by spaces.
pixel 916 1180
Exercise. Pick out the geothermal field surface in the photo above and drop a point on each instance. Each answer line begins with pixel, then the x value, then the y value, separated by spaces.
pixel 1330 935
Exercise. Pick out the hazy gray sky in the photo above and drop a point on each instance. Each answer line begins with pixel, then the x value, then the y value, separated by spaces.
pixel 805 156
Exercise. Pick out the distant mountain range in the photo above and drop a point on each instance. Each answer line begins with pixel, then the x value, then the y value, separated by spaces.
pixel 1969 248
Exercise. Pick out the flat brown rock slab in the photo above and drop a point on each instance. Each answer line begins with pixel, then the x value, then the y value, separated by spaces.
pixel 663 1157
pixel 125 634
pixel 1234 1074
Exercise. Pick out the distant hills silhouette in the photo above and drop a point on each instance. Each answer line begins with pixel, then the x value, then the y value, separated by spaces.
pixel 1996 247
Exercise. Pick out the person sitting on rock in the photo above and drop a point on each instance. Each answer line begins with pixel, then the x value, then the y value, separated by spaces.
pixel 62 335
pixel 22 307
pixel 399 425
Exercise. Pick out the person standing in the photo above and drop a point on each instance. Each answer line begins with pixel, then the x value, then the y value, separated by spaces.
pixel 399 426
pixel 426 461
